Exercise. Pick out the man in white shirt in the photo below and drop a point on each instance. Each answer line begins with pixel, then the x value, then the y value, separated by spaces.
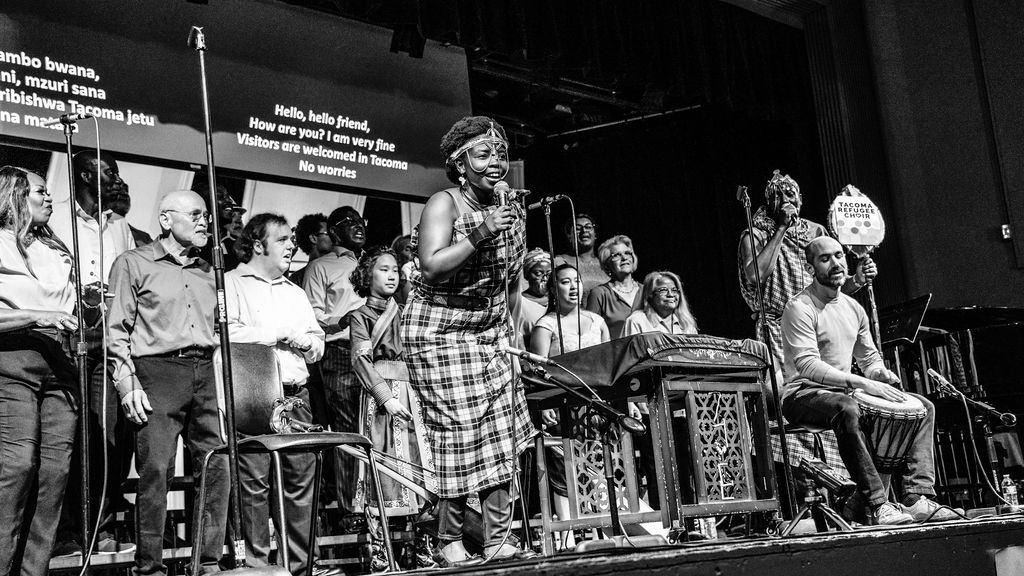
pixel 97 178
pixel 266 308
pixel 331 293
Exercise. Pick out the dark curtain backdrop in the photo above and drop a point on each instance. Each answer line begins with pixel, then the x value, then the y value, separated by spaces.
pixel 669 182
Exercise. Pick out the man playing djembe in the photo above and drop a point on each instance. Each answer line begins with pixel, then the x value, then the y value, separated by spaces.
pixel 822 331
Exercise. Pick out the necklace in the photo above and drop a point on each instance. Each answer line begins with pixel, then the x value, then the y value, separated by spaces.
pixel 622 289
pixel 473 202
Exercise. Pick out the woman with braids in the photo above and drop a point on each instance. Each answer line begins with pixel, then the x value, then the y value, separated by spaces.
pixel 390 414
pixel 474 409
pixel 37 400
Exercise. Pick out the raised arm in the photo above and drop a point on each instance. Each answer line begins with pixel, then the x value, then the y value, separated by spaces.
pixel 439 258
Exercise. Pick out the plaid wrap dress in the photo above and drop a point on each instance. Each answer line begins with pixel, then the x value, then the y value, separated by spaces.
pixel 787 280
pixel 474 407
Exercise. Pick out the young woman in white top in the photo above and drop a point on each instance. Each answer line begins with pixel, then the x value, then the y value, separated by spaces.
pixel 586 330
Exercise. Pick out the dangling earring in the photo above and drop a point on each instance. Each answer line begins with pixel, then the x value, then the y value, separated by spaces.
pixel 462 180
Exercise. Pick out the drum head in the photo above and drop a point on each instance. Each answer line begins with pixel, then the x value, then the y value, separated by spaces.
pixel 911 406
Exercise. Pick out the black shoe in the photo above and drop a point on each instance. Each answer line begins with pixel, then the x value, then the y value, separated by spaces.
pixel 321 570
pixel 66 548
pixel 352 523
pixel 510 552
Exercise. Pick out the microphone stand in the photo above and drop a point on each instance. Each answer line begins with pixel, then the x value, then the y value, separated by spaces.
pixel 198 41
pixel 613 421
pixel 741 195
pixel 81 355
pixel 551 277
pixel 1008 419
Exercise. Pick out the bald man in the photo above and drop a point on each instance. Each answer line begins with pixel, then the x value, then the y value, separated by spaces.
pixel 161 342
pixel 823 330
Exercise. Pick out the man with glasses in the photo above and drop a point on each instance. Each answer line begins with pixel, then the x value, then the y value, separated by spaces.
pixel 96 178
pixel 591 272
pixel 331 293
pixel 161 341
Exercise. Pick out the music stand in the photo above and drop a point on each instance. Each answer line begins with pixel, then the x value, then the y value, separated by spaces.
pixel 899 325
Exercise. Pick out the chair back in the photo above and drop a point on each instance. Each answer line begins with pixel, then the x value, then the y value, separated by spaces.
pixel 256 383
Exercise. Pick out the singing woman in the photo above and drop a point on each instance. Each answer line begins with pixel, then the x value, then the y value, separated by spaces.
pixel 474 410
pixel 37 396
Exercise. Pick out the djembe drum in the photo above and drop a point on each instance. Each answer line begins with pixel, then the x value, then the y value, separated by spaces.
pixel 889 427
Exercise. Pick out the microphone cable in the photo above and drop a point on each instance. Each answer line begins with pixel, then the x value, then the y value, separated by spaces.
pixel 101 225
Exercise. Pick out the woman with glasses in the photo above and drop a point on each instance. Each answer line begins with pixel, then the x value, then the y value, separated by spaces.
pixel 37 379
pixel 665 307
pixel 620 296
pixel 665 310
pixel 456 321
pixel 591 271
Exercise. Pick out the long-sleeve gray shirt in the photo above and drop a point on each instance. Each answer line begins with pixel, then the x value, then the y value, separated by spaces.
pixel 819 336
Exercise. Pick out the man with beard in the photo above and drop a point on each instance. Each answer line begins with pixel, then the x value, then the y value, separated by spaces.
pixel 780 237
pixel 161 343
pixel 97 178
pixel 823 330
pixel 332 295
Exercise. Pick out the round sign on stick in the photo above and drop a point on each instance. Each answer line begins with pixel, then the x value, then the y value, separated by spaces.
pixel 855 221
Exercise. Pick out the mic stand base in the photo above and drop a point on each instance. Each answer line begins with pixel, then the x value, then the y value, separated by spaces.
pixel 816 508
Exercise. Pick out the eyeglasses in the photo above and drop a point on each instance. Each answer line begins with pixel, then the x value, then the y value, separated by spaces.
pixel 195 215
pixel 585 228
pixel 666 291
pixel 350 221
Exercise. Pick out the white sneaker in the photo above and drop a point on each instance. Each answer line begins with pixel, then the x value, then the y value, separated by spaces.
pixel 889 514
pixel 926 509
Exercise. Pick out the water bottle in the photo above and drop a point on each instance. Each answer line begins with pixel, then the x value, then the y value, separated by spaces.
pixel 1009 490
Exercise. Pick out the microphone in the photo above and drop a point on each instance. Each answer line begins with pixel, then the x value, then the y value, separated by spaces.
pixel 506 193
pixel 546 201
pixel 1007 418
pixel 529 356
pixel 69 119
pixel 943 384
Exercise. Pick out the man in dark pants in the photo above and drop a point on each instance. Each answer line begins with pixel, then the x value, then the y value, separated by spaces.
pixel 161 341
pixel 266 308
pixel 97 178
pixel 331 293
pixel 823 330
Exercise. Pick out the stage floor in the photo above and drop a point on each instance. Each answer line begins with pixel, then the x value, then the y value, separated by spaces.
pixel 988 547
pixel 968 548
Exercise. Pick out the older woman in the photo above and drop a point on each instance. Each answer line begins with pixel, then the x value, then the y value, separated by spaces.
pixel 453 328
pixel 591 271
pixel 619 297
pixel 665 307
pixel 37 396
pixel 665 310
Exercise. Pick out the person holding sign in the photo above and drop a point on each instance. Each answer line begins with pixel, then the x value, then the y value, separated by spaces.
pixel 780 237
